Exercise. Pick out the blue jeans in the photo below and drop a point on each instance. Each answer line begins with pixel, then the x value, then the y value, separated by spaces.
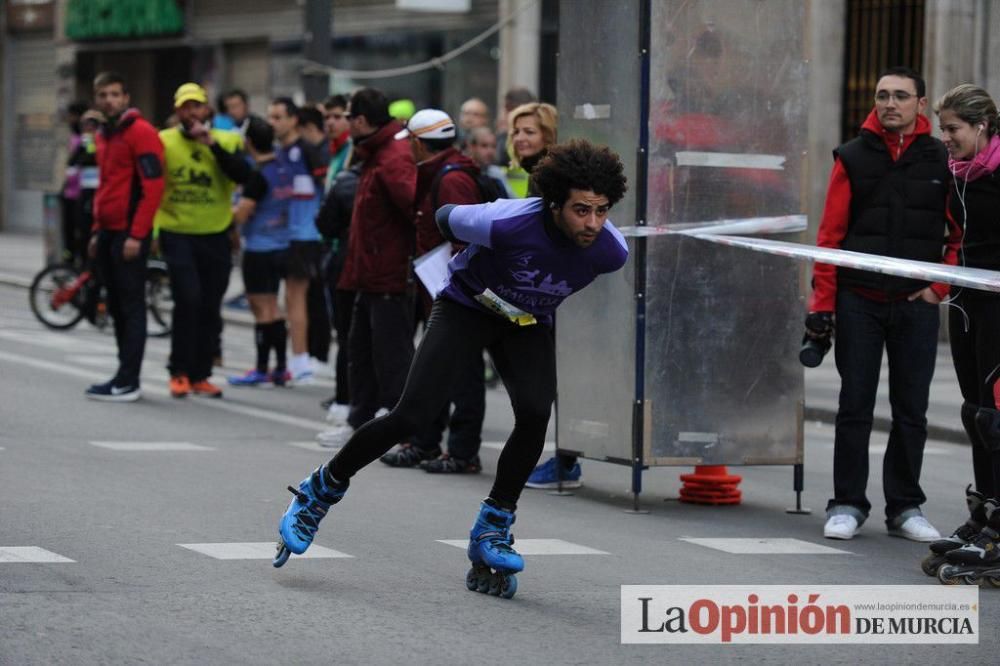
pixel 907 330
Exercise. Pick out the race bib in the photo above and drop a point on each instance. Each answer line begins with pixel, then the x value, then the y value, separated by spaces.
pixel 505 309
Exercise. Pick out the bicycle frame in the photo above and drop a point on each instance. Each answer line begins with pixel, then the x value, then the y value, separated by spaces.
pixel 65 294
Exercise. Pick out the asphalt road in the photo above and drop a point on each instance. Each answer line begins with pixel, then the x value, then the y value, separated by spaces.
pixel 131 496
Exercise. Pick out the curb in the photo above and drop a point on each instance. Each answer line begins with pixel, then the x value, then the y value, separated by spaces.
pixel 883 424
pixel 824 415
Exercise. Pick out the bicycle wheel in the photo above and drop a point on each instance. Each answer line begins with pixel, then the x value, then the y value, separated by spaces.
pixel 159 299
pixel 53 299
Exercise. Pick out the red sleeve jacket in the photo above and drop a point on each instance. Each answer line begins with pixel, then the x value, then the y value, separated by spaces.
pixel 836 216
pixel 130 159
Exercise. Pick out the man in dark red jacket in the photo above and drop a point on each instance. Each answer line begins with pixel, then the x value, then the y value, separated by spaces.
pixel 444 176
pixel 887 196
pixel 130 159
pixel 379 254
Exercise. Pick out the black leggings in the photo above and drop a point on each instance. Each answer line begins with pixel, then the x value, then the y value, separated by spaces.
pixel 976 354
pixel 524 358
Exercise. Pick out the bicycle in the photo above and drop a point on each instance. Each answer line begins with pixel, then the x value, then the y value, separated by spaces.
pixel 61 295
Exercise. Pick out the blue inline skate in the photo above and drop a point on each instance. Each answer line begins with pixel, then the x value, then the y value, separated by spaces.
pixel 494 562
pixel 298 526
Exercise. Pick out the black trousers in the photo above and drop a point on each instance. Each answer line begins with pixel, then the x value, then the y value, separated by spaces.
pixel 343 308
pixel 525 359
pixel 465 422
pixel 907 331
pixel 199 267
pixel 380 349
pixel 975 351
pixel 318 309
pixel 125 282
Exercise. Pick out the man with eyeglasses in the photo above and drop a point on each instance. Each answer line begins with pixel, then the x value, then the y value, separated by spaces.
pixel 887 196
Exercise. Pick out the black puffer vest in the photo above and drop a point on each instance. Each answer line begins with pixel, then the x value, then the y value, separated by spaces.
pixel 981 220
pixel 897 207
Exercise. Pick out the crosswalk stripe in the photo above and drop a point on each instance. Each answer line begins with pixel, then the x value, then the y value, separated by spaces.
pixel 257 551
pixel 152 446
pixel 25 554
pixel 765 546
pixel 537 547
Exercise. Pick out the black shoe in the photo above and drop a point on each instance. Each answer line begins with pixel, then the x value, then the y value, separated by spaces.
pixel 407 455
pixel 108 392
pixel 445 464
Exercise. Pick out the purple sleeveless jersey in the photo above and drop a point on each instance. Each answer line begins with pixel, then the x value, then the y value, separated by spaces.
pixel 519 264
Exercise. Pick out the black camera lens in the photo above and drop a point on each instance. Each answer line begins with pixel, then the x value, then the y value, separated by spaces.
pixel 813 350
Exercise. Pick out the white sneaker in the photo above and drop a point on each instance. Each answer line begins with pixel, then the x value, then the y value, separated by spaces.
pixel 916 528
pixel 335 437
pixel 338 413
pixel 840 526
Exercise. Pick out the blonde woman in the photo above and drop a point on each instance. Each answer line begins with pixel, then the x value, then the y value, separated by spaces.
pixel 532 132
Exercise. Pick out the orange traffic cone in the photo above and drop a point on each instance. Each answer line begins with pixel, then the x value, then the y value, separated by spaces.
pixel 711 484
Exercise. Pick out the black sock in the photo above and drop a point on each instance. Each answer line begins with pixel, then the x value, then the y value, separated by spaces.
pixel 279 340
pixel 331 481
pixel 261 336
pixel 501 504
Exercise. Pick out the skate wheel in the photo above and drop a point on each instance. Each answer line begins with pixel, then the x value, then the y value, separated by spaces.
pixel 282 555
pixel 946 577
pixel 931 564
pixel 509 587
pixel 472 580
pixel 992 581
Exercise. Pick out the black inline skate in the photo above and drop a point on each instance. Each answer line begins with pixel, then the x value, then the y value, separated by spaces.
pixel 979 560
pixel 965 533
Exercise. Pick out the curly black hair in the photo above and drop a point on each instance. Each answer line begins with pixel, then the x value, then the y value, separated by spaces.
pixel 579 165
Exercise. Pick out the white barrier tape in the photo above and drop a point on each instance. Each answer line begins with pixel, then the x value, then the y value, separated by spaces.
pixel 785 224
pixel 974 278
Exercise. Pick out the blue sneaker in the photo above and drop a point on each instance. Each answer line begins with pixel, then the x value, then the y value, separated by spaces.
pixel 494 561
pixel 548 473
pixel 250 378
pixel 301 520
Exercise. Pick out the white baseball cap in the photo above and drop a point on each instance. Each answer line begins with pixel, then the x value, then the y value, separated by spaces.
pixel 429 124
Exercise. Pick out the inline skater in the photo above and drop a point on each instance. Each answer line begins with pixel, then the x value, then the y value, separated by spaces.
pixel 524 258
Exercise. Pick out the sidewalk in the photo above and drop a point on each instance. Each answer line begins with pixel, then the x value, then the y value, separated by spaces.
pixel 21 256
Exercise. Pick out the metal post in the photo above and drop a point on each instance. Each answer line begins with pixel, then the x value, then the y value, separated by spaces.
pixel 641 176
pixel 317 19
pixel 798 484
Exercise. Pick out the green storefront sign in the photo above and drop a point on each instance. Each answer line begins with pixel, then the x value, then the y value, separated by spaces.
pixel 101 19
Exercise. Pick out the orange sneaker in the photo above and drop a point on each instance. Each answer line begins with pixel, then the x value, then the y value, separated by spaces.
pixel 180 386
pixel 206 388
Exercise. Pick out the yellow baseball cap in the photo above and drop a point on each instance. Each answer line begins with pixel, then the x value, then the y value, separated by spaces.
pixel 190 92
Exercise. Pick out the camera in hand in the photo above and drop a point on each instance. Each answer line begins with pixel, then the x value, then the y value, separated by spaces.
pixel 818 338
pixel 813 350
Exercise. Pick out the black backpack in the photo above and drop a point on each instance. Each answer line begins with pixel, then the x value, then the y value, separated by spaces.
pixel 489 188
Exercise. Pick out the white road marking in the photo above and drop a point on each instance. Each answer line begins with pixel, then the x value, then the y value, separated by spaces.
pixel 257 551
pixel 537 547
pixel 12 554
pixel 147 389
pixel 766 546
pixel 313 446
pixel 152 446
pixel 549 446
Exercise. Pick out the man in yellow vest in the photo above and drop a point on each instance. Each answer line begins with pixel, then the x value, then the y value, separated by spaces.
pixel 203 167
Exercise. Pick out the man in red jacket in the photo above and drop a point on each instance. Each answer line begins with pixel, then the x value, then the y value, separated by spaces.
pixel 379 254
pixel 130 159
pixel 887 196
pixel 444 176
